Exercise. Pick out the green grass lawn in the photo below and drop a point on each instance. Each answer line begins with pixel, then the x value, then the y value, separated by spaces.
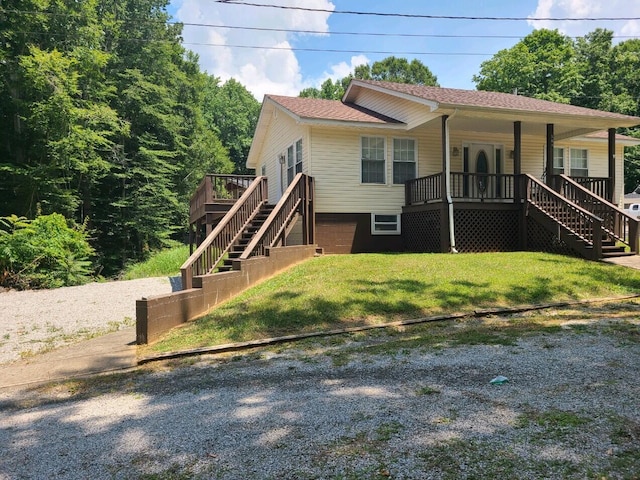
pixel 348 290
pixel 160 264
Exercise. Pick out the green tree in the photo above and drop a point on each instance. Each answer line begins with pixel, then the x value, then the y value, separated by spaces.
pixel 232 113
pixel 102 115
pixel 541 65
pixel 390 69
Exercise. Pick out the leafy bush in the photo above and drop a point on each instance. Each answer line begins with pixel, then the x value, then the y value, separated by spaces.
pixel 43 253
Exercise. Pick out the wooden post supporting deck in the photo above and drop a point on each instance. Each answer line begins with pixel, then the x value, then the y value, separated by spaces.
pixel 612 164
pixel 549 153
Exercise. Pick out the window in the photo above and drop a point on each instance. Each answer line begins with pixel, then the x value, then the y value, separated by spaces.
pixel 263 170
pixel 294 160
pixel 385 224
pixel 579 164
pixel 404 160
pixel 373 159
pixel 558 161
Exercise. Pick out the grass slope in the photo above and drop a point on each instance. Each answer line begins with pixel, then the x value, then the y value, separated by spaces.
pixel 347 290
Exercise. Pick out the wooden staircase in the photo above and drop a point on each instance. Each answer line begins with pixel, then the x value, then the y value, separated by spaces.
pixel 247 235
pixel 252 226
pixel 587 223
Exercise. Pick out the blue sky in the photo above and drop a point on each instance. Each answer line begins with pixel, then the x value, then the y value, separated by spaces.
pixel 454 61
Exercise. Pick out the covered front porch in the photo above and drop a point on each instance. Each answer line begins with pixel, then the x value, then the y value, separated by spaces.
pixel 475 212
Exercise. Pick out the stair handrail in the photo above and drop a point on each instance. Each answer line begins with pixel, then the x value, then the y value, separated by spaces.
pixel 616 222
pixel 212 250
pixel 576 219
pixel 297 197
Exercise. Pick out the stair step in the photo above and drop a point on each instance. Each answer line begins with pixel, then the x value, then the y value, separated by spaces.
pixel 617 254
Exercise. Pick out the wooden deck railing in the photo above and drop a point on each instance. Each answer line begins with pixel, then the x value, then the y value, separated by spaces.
pixel 599 186
pixel 298 199
pixel 616 222
pixel 469 186
pixel 423 189
pixel 579 222
pixel 217 188
pixel 212 250
pixel 483 186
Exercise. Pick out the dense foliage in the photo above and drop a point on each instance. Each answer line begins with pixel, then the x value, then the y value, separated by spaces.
pixel 43 253
pixel 104 115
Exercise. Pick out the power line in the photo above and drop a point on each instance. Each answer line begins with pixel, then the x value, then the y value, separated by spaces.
pixel 372 34
pixel 297 31
pixel 329 50
pixel 289 48
pixel 433 17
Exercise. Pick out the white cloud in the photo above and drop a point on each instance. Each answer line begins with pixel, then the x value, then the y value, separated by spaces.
pixel 342 69
pixel 262 71
pixel 587 8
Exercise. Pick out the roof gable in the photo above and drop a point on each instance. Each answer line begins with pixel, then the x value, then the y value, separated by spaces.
pixel 315 109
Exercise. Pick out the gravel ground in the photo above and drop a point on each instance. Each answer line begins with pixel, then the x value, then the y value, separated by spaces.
pixel 357 407
pixel 36 320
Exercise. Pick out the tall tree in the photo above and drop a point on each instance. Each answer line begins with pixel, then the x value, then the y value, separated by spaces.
pixel 101 115
pixel 541 65
pixel 232 113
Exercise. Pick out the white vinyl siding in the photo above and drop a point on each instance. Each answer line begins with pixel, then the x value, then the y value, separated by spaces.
pixel 406 111
pixel 404 160
pixel 280 136
pixel 579 162
pixel 373 159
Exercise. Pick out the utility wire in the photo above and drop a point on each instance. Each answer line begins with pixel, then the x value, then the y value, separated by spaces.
pixel 434 17
pixel 328 50
pixel 297 31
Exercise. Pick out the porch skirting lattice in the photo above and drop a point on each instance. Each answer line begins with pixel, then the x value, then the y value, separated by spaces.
pixel 478 228
pixel 421 230
pixel 539 239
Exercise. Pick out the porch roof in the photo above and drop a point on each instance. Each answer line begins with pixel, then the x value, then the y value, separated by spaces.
pixel 452 98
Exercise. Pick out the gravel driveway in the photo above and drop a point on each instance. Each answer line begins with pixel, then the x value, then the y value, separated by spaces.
pixel 36 320
pixel 357 407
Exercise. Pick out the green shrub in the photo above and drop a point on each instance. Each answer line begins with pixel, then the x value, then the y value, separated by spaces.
pixel 43 253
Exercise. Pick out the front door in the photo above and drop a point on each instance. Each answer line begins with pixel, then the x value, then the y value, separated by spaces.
pixel 480 162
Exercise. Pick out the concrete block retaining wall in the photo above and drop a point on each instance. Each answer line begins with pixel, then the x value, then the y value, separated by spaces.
pixel 158 314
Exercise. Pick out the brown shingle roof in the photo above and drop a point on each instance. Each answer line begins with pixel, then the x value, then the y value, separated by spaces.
pixel 332 110
pixel 604 135
pixel 492 100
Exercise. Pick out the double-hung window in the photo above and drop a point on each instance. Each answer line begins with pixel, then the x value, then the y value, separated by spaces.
pixel 294 160
pixel 579 163
pixel 404 160
pixel 558 161
pixel 373 159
